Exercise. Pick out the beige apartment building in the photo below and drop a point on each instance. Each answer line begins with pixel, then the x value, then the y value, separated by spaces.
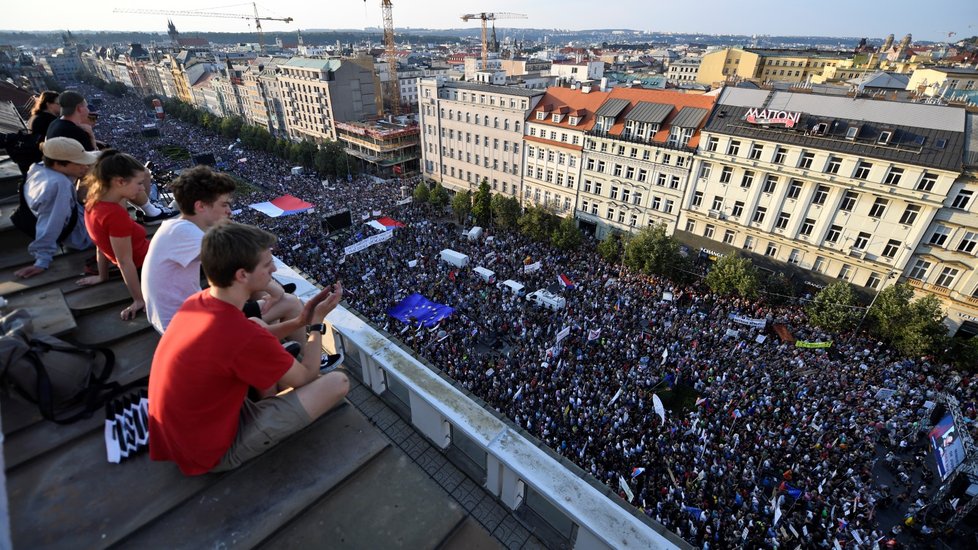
pixel 637 159
pixel 945 263
pixel 317 92
pixel 943 81
pixel 554 144
pixel 762 65
pixel 473 132
pixel 846 188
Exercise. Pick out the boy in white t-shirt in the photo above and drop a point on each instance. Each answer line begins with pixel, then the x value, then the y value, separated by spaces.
pixel 171 271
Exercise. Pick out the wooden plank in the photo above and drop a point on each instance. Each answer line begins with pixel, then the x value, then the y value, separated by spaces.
pixel 251 503
pixel 27 435
pixel 75 499
pixel 67 267
pixel 390 503
pixel 90 298
pixel 49 311
pixel 103 327
pixel 5 212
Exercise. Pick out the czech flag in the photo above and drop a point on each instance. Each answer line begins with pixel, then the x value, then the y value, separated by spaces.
pixel 384 224
pixel 282 206
pixel 565 281
pixel 637 472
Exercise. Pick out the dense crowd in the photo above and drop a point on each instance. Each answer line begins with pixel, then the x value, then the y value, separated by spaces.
pixel 766 419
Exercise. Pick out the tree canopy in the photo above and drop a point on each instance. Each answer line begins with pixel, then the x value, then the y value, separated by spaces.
pixel 733 274
pixel 834 308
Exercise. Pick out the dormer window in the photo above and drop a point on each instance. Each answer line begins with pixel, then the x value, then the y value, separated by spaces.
pixel 852 133
pixel 541 115
pixel 820 129
pixel 557 117
pixel 884 138
pixel 573 121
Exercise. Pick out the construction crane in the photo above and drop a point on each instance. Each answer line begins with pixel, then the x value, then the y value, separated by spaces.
pixel 258 19
pixel 392 88
pixel 490 17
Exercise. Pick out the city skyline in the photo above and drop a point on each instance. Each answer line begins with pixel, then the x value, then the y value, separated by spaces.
pixel 711 17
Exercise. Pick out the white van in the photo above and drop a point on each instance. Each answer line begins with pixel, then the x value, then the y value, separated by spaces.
pixel 475 233
pixel 511 286
pixel 543 298
pixel 454 258
pixel 485 274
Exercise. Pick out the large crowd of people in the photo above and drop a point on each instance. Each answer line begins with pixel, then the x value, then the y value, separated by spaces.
pixel 768 429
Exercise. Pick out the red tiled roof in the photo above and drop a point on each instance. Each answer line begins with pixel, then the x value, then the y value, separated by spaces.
pixel 567 101
pixel 584 104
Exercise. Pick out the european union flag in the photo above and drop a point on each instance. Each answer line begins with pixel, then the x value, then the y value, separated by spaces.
pixel 417 309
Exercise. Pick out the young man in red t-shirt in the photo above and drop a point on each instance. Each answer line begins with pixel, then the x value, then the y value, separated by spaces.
pixel 199 413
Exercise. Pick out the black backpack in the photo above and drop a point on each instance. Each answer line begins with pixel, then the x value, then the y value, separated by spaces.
pixel 68 383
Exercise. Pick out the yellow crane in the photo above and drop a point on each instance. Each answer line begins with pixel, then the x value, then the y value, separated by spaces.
pixel 489 17
pixel 392 88
pixel 189 13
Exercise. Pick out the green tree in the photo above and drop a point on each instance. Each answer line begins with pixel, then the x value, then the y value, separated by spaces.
pixel 778 289
pixel 733 274
pixel 422 192
pixel 231 127
pixel 911 326
pixel 611 247
pixel 482 204
pixel 566 236
pixel 462 205
pixel 117 89
pixel 505 211
pixel 438 198
pixel 652 251
pixel 537 223
pixel 834 308
pixel 963 354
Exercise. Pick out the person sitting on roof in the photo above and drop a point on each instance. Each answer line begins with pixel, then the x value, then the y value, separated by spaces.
pixel 116 177
pixel 172 267
pixel 50 194
pixel 210 355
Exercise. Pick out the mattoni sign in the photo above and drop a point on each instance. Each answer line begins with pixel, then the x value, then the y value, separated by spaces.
pixel 788 119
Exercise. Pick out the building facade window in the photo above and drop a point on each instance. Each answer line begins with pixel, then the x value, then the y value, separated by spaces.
pixel 833 165
pixel 833 234
pixel 940 235
pixel 947 277
pixel 849 201
pixel 806 160
pixel 891 248
pixel 920 269
pixel 962 200
pixel 820 196
pixel 967 243
pixel 910 214
pixel 862 170
pixel 893 176
pixel 927 182
pixel 738 209
pixel 879 208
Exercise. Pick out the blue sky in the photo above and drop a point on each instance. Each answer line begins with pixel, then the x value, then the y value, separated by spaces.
pixel 926 20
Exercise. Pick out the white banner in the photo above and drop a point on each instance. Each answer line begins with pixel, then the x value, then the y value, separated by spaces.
pixel 563 334
pixel 751 322
pixel 659 409
pixel 593 334
pixel 368 242
pixel 403 201
pixel 532 267
pixel 624 487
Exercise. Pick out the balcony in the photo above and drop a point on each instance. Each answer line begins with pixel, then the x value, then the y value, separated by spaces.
pixel 942 290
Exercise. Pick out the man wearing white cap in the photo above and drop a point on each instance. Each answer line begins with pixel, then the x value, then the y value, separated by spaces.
pixel 50 195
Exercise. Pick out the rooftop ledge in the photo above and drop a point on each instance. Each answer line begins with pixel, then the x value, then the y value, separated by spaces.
pixel 512 459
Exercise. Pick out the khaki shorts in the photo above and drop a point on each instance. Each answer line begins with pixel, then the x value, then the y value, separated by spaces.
pixel 263 425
